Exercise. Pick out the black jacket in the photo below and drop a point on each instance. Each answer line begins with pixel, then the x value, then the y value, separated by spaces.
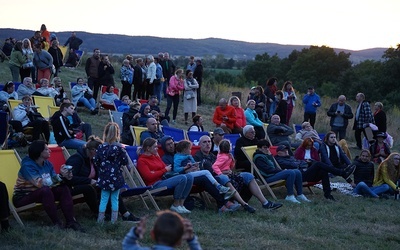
pixel 61 126
pixel 81 168
pixel 348 114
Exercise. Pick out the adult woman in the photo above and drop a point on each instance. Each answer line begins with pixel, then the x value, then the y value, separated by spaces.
pixel 16 61
pixel 43 61
pixel 389 172
pixel 290 97
pixel 197 125
pixel 152 170
pixel 364 177
pixel 293 178
pixel 57 55
pixel 281 106
pixel 56 83
pixel 126 77
pixel 380 117
pixel 176 84
pixel 82 93
pixel 38 182
pixel 306 151
pixel 109 96
pixel 307 131
pixel 252 119
pixel 25 113
pixel 234 101
pixel 190 95
pixel 8 92
pixel 145 113
pixel 28 68
pixel 269 92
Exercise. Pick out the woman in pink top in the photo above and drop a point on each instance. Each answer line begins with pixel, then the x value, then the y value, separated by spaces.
pixel 176 84
pixel 234 101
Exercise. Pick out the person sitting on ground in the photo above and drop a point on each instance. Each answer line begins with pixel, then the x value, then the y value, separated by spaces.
pixel 279 133
pixel 85 178
pixel 152 131
pixel 109 96
pixel 364 177
pixel 130 118
pixel 252 119
pixel 389 173
pixel 281 107
pixel 307 131
pixel 169 230
pixel 272 172
pixel 379 149
pixel 64 133
pixel 225 117
pixel 197 125
pixel 27 88
pixel 72 60
pixel 248 139
pixel 76 122
pixel 234 101
pixel 47 90
pixel 38 182
pixel 83 94
pixel 4 208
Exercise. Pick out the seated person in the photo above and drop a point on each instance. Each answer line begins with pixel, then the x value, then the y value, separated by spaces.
pixel 279 133
pixel 130 118
pixel 57 84
pixel 388 173
pixel 109 96
pixel 364 177
pixel 45 90
pixel 281 106
pixel 83 94
pixel 156 116
pixel 72 60
pixel 153 102
pixel 63 131
pixel 234 101
pixel 8 92
pixel 169 230
pixel 152 131
pixel 272 172
pixel 252 119
pixel 225 117
pixel 307 151
pixel 4 208
pixel 307 131
pixel 145 114
pixel 125 104
pixel 260 98
pixel 27 88
pixel 379 149
pixel 248 139
pixel 28 115
pixel 218 136
pixel 76 122
pixel 197 125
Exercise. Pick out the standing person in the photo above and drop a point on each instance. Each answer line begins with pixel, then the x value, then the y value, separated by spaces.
pixel 191 65
pixel 106 72
pixel 380 117
pixel 82 93
pixel 190 95
pixel 109 159
pixel 92 72
pixel 159 81
pixel 28 69
pixel 16 61
pixel 290 97
pixel 363 118
pixel 389 173
pixel 43 61
pixel 38 182
pixel 73 41
pixel 311 102
pixel 126 79
pixel 176 84
pixel 138 78
pixel 4 208
pixel 168 71
pixel 198 75
pixel 281 107
pixel 150 77
pixel 340 113
pixel 269 92
pixel 57 55
pixel 45 33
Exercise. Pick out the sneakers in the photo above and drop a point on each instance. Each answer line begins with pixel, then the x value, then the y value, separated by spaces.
pixel 229 207
pixel 249 208
pixel 302 197
pixel 272 205
pixel 74 226
pixel 179 209
pixel 130 217
pixel 229 194
pixel 329 197
pixel 348 171
pixel 291 198
pixel 94 112
pixel 223 189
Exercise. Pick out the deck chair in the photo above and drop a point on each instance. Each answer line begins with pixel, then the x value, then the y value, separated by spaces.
pixel 116 117
pixel 1 87
pixel 117 103
pixel 248 152
pixel 176 133
pixel 3 130
pixel 232 138
pixel 106 105
pixel 195 135
pixel 58 156
pixel 79 53
pixel 134 174
pixel 136 130
pixel 52 110
pixel 11 105
pixel 43 102
pixel 64 51
pixel 296 128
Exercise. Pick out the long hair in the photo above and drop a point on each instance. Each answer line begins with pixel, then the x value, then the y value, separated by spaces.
pixel 326 138
pixel 111 133
pixel 225 146
pixel 392 170
pixel 93 142
pixel 306 142
pixel 147 143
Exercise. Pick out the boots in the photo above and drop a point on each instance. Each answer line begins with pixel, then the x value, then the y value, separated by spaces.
pixel 100 218
pixel 114 217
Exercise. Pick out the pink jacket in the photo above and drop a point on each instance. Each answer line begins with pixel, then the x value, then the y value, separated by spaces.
pixel 224 162
pixel 175 85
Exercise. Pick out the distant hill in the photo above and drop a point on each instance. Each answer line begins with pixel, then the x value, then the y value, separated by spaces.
pixel 143 45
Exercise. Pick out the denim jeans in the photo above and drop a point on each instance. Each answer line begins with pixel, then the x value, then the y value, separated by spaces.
pixel 157 90
pixel 182 184
pixel 364 190
pixel 72 143
pixel 292 177
pixel 89 104
pixel 205 173
pixel 340 132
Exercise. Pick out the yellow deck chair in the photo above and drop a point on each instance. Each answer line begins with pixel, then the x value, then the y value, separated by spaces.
pixel 136 130
pixel 52 110
pixel 43 102
pixel 12 104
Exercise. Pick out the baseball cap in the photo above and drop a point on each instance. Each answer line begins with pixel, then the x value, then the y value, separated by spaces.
pixel 219 131
pixel 281 148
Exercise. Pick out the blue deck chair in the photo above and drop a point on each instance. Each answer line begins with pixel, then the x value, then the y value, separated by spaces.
pixel 195 135
pixel 232 138
pixel 176 133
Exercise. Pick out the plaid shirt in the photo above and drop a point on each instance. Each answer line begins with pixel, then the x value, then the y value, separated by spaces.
pixel 365 115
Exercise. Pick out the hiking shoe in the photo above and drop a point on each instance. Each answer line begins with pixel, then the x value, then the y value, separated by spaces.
pixel 249 208
pixel 302 197
pixel 75 226
pixel 291 198
pixel 229 194
pixel 223 189
pixel 348 171
pixel 272 205
pixel 130 217
pixel 329 197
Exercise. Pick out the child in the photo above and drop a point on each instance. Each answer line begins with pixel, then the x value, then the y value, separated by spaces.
pixel 185 163
pixel 169 230
pixel 109 159
pixel 224 165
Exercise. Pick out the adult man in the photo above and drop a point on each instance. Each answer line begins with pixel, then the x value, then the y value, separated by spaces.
pixel 191 65
pixel 76 122
pixel 152 131
pixel 73 41
pixel 27 88
pixel 43 62
pixel 169 68
pixel 138 79
pixel 225 117
pixel 363 117
pixel 248 139
pixel 63 131
pixel 218 135
pixel 250 188
pixel 198 75
pixel 340 114
pixel 159 81
pixel 311 102
pixel 92 72
pixel 279 133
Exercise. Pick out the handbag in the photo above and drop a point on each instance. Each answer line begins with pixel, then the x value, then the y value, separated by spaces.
pixel 189 94
pixel 27 65
pixel 87 95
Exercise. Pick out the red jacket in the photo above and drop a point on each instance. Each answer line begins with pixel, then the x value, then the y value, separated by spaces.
pixel 151 168
pixel 300 152
pixel 229 111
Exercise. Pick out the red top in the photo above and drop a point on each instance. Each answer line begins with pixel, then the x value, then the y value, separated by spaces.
pixel 151 168
pixel 300 152
pixel 229 111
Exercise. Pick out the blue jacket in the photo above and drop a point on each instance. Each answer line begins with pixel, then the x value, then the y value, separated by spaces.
pixel 309 100
pixel 180 161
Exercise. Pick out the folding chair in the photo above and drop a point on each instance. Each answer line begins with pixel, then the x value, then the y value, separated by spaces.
pixel 176 133
pixel 52 110
pixel 43 102
pixel 136 131
pixel 248 152
pixel 195 135
pixel 296 128
pixel 232 138
pixel 106 105
pixel 117 103
pixel 3 130
pixel 133 174
pixel 116 117
pixel 1 87
pixel 13 104
pixel 79 53
pixel 64 51
pixel 58 156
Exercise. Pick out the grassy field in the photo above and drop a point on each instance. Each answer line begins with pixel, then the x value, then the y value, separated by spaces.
pixel 349 223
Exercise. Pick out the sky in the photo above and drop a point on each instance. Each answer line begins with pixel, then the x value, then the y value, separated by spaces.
pixel 345 24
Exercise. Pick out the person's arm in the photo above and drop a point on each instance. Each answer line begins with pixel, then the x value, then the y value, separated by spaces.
pixel 153 175
pixel 348 113
pixel 265 165
pixel 332 111
pixel 386 178
pixel 289 130
pixel 217 117
pixel 219 165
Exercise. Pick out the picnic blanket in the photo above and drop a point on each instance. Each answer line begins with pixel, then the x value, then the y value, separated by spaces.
pixel 342 187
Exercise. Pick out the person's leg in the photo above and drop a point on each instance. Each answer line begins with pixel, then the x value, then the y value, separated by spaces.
pixel 87 129
pixel 186 117
pixel 313 116
pixel 315 174
pixel 4 199
pixel 175 108
pixel 105 195
pixel 381 189
pixel 62 193
pixel 14 73
pixel 114 205
pixel 37 129
pixel 298 182
pixel 342 133
pixel 157 90
pixel 169 105
pixel 86 103
pixel 287 175
pixel 92 102
pixel 45 128
pixel 46 74
pixel 210 188
pixel 327 168
pixel 357 135
pixel 72 143
pixel 96 88
pixel 306 117
pixel 90 195
pixel 199 94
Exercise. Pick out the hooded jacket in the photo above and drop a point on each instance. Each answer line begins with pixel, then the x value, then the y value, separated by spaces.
pixel 61 126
